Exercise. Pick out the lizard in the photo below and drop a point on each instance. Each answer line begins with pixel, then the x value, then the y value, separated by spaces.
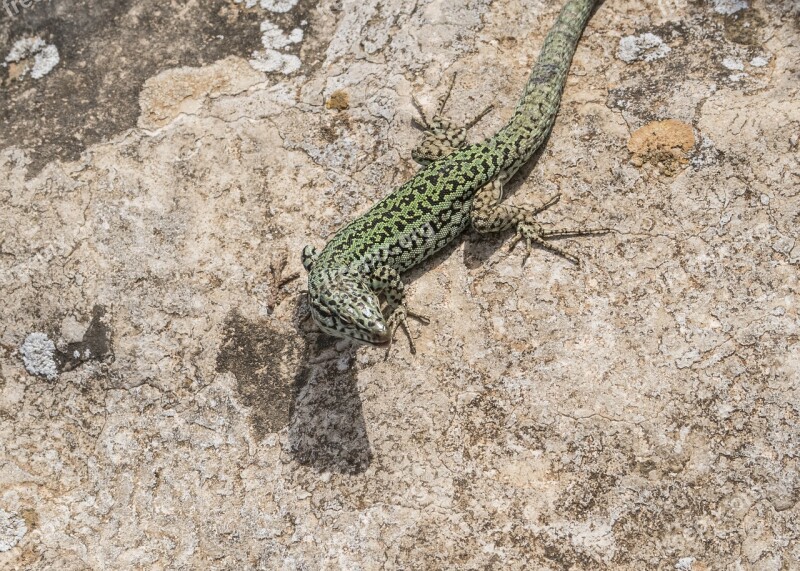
pixel 460 184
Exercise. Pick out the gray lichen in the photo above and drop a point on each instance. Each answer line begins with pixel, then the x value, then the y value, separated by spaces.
pixel 644 47
pixel 12 530
pixel 38 354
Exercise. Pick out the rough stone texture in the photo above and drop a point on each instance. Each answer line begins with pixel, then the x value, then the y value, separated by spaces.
pixel 638 413
pixel 106 50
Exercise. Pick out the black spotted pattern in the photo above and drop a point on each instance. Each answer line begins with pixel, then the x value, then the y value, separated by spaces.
pixel 430 210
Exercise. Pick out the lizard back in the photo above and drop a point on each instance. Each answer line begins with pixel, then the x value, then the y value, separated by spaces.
pixel 432 208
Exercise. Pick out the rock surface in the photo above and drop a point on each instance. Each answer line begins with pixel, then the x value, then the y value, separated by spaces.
pixel 158 182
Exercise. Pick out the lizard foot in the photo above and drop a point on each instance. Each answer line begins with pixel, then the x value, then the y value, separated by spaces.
pixel 398 318
pixel 533 233
pixel 441 136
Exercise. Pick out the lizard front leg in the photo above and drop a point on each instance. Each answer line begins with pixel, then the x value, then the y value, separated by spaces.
pixel 489 215
pixel 441 136
pixel 385 280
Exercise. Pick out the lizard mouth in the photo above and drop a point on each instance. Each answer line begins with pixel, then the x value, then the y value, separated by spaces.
pixel 379 340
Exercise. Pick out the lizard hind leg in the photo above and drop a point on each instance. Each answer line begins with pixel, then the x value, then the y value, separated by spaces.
pixel 440 136
pixel 533 233
pixel 489 215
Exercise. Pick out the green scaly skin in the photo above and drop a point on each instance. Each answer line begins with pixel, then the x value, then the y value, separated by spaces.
pixel 460 185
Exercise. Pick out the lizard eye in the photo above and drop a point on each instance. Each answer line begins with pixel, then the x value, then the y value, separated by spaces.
pixel 347 317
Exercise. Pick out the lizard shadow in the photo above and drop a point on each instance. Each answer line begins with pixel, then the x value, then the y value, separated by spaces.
pixel 326 430
pixel 297 381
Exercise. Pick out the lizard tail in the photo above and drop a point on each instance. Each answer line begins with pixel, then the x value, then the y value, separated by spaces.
pixel 536 111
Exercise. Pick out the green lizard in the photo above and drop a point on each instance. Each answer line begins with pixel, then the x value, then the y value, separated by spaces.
pixel 459 185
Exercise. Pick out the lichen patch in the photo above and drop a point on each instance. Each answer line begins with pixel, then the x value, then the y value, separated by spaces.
pixel 339 100
pixel 665 144
pixel 728 7
pixel 12 530
pixel 38 355
pixel 271 59
pixel 278 6
pixel 644 47
pixel 32 55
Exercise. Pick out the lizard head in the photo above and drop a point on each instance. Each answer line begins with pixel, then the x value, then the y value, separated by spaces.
pixel 343 305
